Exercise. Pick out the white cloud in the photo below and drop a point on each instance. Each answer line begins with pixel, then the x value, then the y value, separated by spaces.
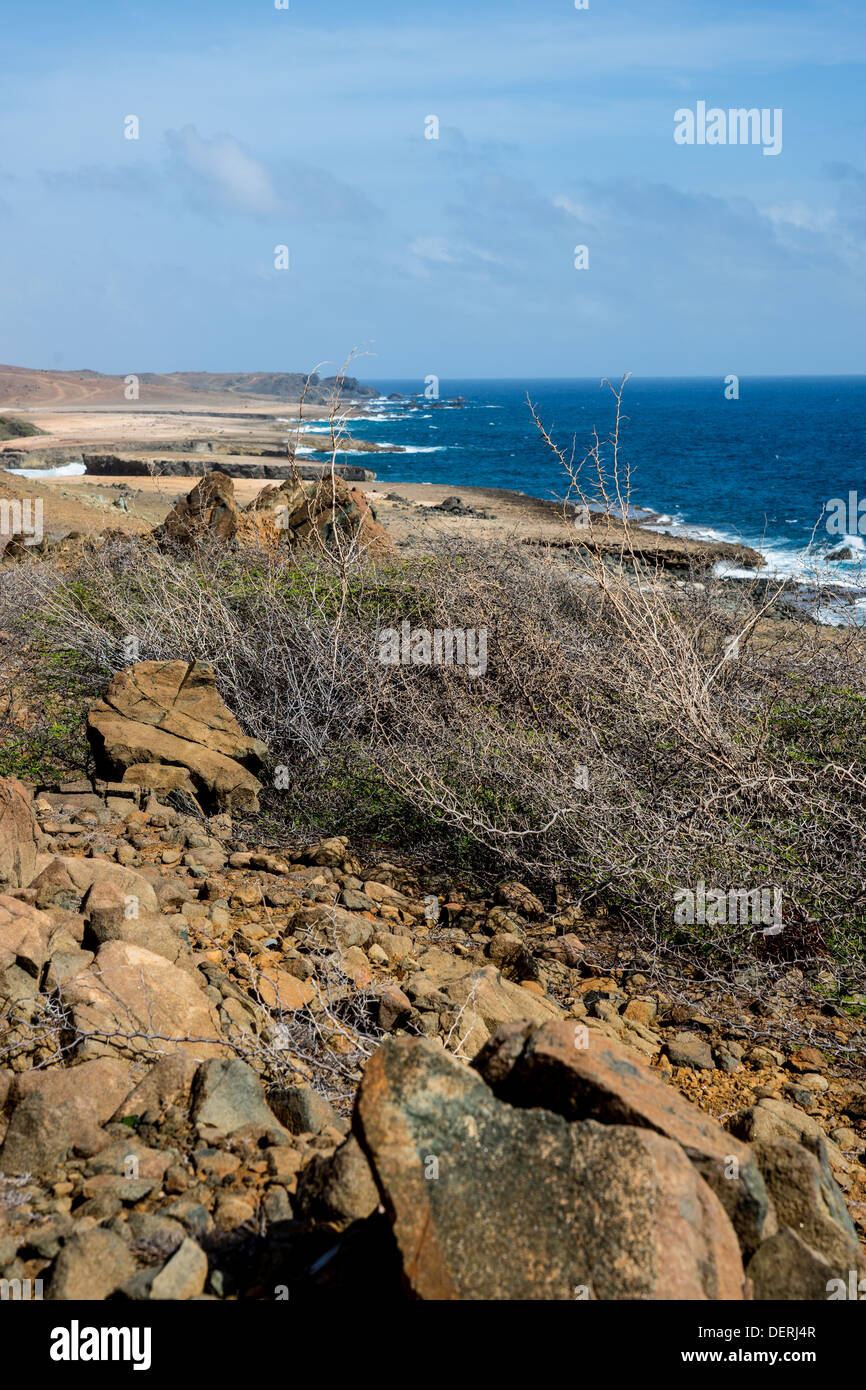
pixel 223 163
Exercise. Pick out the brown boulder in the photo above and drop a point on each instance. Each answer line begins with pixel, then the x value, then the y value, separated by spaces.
pixel 581 1074
pixel 334 515
pixel 133 1001
pixel 19 834
pixel 492 1202
pixel 208 512
pixel 169 714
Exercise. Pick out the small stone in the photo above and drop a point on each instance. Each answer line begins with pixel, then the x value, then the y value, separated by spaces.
pixel 184 1275
pixel 690 1050
pixel 91 1265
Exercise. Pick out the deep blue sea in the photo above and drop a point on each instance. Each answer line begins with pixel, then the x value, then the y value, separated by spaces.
pixel 761 468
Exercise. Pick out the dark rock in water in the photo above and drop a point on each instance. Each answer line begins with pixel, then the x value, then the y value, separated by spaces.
pixel 252 466
pixel 491 1202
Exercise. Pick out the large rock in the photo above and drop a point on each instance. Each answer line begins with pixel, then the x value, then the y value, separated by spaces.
pixel 43 1133
pixel 59 1112
pixel 489 1000
pixel 581 1074
pixel 19 834
pixel 808 1201
pixel 135 892
pixel 168 1082
pixel 183 1276
pixel 91 1266
pixel 329 513
pixel 24 935
pixel 338 1187
pixel 160 713
pixel 207 513
pixel 132 1001
pixel 492 1202
pixel 228 1096
pixel 786 1268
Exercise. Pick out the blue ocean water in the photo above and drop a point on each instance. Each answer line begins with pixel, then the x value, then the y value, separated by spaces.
pixel 759 469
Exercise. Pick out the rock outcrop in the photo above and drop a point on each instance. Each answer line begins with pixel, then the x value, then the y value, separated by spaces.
pixel 162 725
pixel 208 513
pixel 329 512
pixel 562 1211
pixel 19 834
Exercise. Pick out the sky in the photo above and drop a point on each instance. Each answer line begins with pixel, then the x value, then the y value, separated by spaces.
pixel 306 128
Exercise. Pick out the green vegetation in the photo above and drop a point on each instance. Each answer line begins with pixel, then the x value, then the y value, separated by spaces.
pixel 746 774
pixel 13 428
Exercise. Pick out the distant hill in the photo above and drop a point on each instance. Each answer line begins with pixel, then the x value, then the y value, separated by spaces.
pixel 32 387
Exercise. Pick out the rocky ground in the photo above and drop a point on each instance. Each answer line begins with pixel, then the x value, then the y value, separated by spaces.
pixel 235 1069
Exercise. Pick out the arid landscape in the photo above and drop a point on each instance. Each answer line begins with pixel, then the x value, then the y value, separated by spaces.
pixel 314 957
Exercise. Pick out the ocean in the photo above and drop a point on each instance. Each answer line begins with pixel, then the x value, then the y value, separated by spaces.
pixel 760 469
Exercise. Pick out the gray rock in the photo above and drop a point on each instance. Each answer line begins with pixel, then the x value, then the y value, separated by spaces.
pixel 303 1111
pixel 808 1200
pixel 227 1095
pixel 91 1266
pixel 785 1268
pixel 338 1188
pixel 183 1276
pixel 690 1050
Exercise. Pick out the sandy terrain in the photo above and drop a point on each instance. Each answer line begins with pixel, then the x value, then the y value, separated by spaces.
pixel 98 420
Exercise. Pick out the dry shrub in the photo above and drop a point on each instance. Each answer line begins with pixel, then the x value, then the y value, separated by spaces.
pixel 612 745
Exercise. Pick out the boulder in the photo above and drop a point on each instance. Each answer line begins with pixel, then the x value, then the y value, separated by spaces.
pixel 24 936
pixel 168 1082
pixel 44 1132
pixel 809 1202
pixel 303 1111
pixel 330 513
pixel 227 1096
pixel 581 1074
pixel 208 513
pixel 481 1000
pixel 183 1276
pixel 331 928
pixel 53 887
pixel 786 1268
pixel 91 1266
pixel 160 714
pixel 133 889
pixel 133 1001
pixel 492 1202
pixel 338 1187
pixel 19 834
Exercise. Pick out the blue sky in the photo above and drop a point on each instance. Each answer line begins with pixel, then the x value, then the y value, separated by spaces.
pixel 305 128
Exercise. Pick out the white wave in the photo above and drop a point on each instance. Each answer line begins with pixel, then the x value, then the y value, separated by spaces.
pixel 64 470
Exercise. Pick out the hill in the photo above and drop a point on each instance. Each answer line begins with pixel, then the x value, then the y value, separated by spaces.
pixel 33 387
